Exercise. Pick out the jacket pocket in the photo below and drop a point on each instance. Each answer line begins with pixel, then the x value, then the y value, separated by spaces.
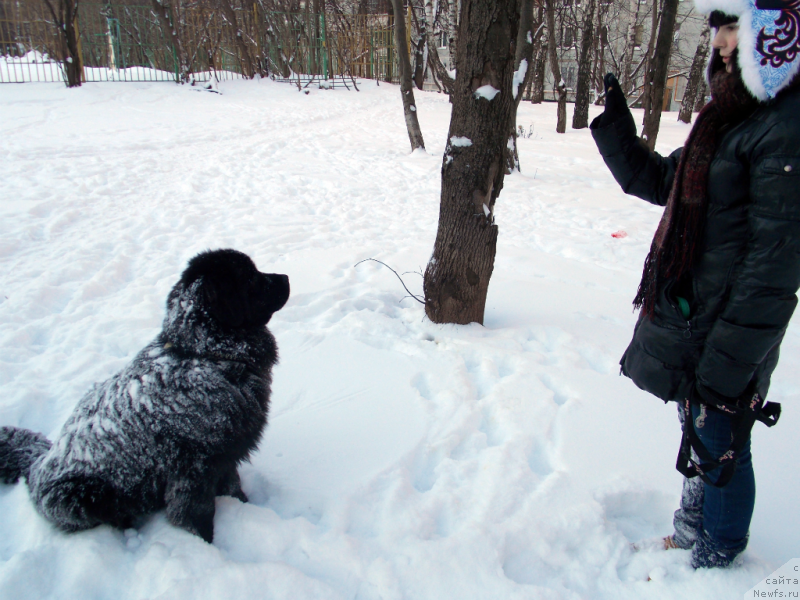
pixel 668 313
pixel 785 165
pixel 652 375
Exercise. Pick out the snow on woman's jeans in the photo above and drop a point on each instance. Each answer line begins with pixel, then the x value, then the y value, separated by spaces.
pixel 714 522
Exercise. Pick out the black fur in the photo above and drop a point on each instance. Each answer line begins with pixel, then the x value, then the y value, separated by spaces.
pixel 19 448
pixel 168 431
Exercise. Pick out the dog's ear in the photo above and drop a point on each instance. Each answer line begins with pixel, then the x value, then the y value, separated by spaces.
pixel 233 291
pixel 224 306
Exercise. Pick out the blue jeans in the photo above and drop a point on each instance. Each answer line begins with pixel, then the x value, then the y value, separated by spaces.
pixel 714 522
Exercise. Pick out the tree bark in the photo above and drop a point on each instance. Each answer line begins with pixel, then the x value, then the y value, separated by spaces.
pixel 169 24
pixel 66 20
pixel 539 66
pixel 439 70
pixel 316 62
pixel 419 61
pixel 434 62
pixel 595 48
pixel 630 46
pixel 657 79
pixel 245 57
pixel 419 44
pixel 390 58
pixel 580 117
pixel 522 75
pixel 655 19
pixel 600 67
pixel 702 90
pixel 695 77
pixel 406 87
pixel 457 277
pixel 452 32
pixel 561 87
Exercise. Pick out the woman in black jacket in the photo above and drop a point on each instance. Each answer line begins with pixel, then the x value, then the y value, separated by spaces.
pixel 719 282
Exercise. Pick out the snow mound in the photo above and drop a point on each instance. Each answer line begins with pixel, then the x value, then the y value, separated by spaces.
pixel 403 459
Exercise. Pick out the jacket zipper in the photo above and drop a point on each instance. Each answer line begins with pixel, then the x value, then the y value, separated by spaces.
pixel 687 331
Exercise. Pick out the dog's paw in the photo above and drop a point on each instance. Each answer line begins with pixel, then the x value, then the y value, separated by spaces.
pixel 205 528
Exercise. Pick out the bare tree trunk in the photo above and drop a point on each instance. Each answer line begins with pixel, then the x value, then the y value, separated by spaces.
pixel 648 60
pixel 66 20
pixel 580 117
pixel 695 77
pixel 522 75
pixel 452 32
pixel 528 89
pixel 390 58
pixel 539 68
pixel 406 87
pixel 539 65
pixel 598 34
pixel 702 90
pixel 246 59
pixel 270 26
pixel 561 87
pixel 600 68
pixel 648 57
pixel 657 79
pixel 169 24
pixel 417 43
pixel 457 277
pixel 630 46
pixel 655 19
pixel 434 62
pixel 316 62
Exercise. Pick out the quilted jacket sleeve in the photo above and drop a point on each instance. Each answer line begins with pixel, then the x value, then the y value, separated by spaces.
pixel 638 170
pixel 762 297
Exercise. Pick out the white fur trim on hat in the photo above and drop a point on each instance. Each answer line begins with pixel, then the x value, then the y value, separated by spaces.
pixel 764 74
pixel 748 59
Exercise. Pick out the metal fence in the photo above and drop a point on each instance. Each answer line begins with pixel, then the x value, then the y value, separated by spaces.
pixel 121 42
pixel 29 49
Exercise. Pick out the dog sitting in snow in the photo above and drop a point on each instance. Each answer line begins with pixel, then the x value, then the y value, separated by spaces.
pixel 168 431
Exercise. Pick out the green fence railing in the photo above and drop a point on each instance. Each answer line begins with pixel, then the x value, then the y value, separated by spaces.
pixel 124 42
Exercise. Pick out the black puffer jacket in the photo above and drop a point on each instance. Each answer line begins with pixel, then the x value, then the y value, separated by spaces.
pixel 742 289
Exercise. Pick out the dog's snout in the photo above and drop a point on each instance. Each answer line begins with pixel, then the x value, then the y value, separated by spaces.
pixel 280 289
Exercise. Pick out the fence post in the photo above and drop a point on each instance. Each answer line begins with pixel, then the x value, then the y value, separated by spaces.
pixel 390 48
pixel 112 39
pixel 118 43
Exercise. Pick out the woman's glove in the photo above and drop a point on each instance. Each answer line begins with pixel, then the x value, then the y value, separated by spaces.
pixel 616 105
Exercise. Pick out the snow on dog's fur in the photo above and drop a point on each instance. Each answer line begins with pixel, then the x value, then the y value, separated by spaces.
pixel 169 430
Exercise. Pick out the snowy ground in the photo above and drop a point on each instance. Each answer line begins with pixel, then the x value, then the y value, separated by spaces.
pixel 403 459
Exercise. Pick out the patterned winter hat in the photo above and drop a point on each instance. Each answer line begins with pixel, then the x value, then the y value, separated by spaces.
pixel 769 41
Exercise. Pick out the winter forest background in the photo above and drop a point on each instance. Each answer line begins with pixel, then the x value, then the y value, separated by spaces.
pixel 327 38
pixel 405 458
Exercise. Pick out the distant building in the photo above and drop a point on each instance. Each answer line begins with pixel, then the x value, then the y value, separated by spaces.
pixel 623 22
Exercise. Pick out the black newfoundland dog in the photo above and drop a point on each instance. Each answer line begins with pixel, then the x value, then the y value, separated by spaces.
pixel 168 431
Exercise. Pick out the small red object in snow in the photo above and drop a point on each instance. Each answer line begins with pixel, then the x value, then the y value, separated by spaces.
pixel 619 234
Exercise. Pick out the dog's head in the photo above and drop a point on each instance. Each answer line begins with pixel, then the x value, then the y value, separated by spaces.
pixel 233 291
